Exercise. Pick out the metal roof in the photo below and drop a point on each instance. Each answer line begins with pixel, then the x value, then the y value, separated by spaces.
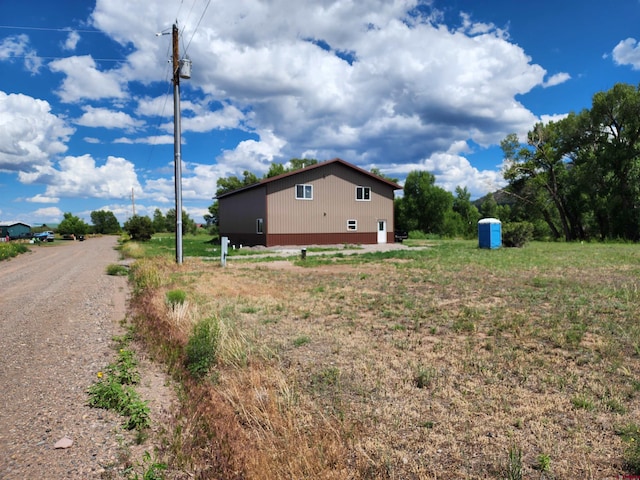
pixel 11 224
pixel 394 185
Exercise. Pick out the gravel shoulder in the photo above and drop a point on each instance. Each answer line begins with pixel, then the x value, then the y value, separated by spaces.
pixel 58 313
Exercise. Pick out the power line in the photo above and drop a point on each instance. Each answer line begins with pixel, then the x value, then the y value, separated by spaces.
pixel 63 58
pixel 198 25
pixel 48 29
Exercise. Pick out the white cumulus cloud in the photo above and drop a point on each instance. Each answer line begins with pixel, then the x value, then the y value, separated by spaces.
pixel 29 133
pixel 103 117
pixel 84 80
pixel 82 177
pixel 17 46
pixel 627 52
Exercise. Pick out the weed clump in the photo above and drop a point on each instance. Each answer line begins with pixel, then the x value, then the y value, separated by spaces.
pixel 114 391
pixel 176 297
pixel 201 350
pixel 513 468
pixel 631 435
pixel 116 270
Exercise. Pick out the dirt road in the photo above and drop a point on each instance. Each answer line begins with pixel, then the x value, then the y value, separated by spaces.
pixel 58 313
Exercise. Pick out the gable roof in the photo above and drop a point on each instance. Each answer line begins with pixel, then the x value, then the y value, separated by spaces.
pixel 11 224
pixel 393 185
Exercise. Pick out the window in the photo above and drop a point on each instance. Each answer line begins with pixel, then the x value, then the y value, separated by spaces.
pixel 259 226
pixel 352 225
pixel 304 192
pixel 363 194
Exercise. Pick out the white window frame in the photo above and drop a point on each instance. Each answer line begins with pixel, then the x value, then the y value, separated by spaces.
pixel 304 196
pixel 352 225
pixel 260 226
pixel 361 189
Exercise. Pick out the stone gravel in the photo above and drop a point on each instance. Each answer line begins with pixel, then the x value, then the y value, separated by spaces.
pixel 58 314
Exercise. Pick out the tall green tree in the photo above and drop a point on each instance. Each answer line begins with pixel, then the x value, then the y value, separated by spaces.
pixel 489 207
pixel 105 222
pixel 615 139
pixel 276 169
pixel 376 171
pixel 424 206
pixel 159 222
pixel 72 225
pixel 539 170
pixel 211 218
pixel 229 184
pixel 188 225
pixel 467 211
pixel 298 163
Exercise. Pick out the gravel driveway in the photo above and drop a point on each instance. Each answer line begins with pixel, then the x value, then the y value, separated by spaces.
pixel 58 313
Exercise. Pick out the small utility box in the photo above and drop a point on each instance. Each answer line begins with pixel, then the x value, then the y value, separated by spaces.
pixel 224 250
pixel 489 233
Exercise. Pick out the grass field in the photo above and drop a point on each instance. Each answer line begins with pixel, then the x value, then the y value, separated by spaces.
pixel 440 362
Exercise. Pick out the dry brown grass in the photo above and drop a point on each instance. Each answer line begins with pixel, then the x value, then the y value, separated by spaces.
pixel 408 369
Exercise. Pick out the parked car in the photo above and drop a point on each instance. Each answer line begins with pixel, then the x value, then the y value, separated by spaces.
pixel 45 236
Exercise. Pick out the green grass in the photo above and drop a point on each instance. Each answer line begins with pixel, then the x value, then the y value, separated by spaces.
pixel 200 245
pixel 11 249
pixel 301 340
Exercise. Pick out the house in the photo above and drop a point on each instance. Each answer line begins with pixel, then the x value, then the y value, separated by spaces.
pixel 15 230
pixel 330 202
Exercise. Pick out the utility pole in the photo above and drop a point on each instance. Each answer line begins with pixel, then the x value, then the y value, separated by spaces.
pixel 181 69
pixel 176 144
pixel 133 203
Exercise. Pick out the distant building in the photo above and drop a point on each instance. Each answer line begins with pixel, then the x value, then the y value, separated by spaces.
pixel 330 202
pixel 15 230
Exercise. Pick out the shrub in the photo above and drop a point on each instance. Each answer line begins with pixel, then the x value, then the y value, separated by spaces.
pixel 139 228
pixel 516 234
pixel 202 348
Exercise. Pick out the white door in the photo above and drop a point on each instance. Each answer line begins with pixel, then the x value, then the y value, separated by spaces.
pixel 382 231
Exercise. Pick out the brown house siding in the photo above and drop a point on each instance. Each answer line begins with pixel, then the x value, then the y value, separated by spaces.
pixel 334 202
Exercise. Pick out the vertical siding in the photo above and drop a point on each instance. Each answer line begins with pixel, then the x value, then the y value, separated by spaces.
pixel 334 202
pixel 238 214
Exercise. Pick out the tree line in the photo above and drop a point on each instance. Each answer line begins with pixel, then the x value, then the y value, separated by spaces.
pixel 139 227
pixel 573 179
pixel 579 178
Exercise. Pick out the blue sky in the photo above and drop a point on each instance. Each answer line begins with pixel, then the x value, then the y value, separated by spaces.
pixel 86 107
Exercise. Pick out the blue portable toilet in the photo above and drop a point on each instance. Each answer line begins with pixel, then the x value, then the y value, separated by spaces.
pixel 489 233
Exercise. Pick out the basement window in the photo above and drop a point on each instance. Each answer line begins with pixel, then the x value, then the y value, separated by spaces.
pixel 363 194
pixel 304 192
pixel 352 225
